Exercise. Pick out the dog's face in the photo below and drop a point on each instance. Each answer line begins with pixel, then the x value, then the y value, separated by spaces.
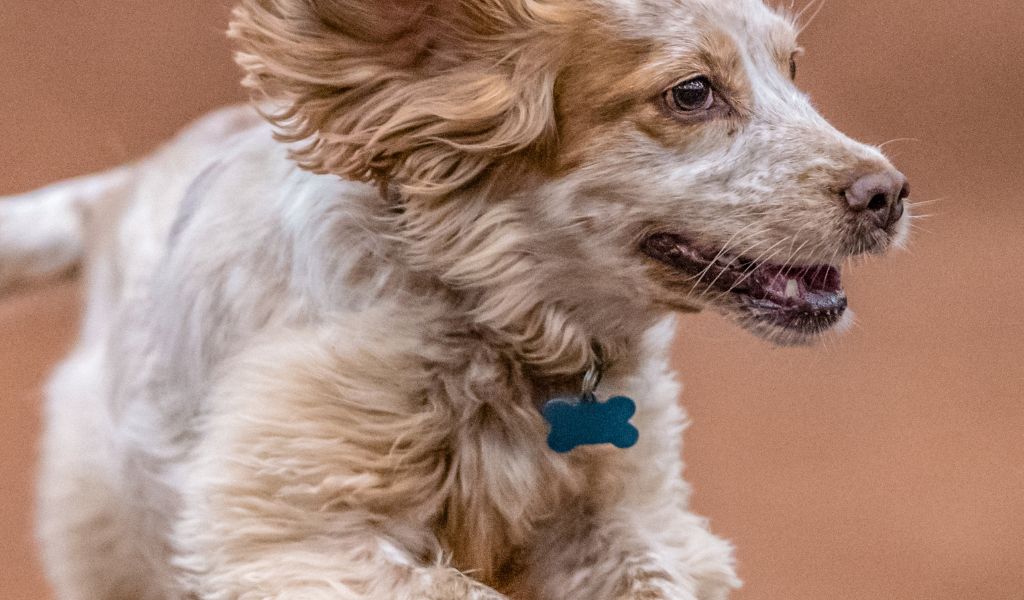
pixel 685 134
pixel 663 142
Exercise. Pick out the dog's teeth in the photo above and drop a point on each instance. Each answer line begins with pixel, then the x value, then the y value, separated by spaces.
pixel 792 289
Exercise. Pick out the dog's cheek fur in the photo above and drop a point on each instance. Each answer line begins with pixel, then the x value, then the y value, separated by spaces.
pixel 420 95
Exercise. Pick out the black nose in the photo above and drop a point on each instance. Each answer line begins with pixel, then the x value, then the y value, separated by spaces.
pixel 879 196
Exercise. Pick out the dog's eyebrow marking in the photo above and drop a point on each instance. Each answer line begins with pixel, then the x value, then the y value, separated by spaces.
pixel 191 200
pixel 720 52
pixel 781 42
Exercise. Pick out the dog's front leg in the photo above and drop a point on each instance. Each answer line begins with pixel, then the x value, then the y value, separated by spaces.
pixel 632 535
pixel 257 562
pixel 318 476
pixel 353 566
pixel 620 554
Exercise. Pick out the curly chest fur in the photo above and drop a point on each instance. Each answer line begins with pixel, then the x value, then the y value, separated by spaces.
pixel 506 489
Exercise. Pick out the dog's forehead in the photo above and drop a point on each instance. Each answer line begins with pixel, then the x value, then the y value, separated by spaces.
pixel 747 21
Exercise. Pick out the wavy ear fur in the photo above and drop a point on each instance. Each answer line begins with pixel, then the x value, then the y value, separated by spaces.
pixel 427 95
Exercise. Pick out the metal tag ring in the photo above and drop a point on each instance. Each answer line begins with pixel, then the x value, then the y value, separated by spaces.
pixel 592 378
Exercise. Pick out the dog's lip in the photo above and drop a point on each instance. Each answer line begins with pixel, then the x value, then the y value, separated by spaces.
pixel 804 296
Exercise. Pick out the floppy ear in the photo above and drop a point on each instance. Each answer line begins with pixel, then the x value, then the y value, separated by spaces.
pixel 427 95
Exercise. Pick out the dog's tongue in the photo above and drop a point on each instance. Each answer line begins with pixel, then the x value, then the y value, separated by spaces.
pixel 815 287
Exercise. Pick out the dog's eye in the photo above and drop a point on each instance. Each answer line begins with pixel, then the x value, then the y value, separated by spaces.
pixel 691 96
pixel 792 67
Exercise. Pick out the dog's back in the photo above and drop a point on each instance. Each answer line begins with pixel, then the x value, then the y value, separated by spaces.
pixel 177 277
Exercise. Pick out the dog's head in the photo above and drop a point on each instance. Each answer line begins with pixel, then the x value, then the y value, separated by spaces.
pixel 606 157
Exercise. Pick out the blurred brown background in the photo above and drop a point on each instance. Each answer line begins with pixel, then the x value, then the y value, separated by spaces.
pixel 884 464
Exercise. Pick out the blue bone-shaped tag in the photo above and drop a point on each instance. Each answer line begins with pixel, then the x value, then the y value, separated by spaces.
pixel 583 422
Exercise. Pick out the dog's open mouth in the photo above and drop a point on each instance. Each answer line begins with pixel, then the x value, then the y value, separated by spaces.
pixel 802 298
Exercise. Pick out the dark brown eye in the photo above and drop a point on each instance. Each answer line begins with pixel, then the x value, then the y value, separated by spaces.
pixel 692 95
pixel 792 67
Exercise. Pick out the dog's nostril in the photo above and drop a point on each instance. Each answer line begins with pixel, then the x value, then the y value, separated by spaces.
pixel 878 196
pixel 878 202
pixel 896 213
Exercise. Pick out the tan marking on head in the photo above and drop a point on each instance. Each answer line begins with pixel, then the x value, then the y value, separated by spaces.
pixel 612 86
pixel 782 43
pixel 724 64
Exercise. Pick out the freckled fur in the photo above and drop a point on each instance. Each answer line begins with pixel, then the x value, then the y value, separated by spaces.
pixel 315 343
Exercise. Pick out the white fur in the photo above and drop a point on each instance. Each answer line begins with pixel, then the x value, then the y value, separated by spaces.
pixel 41 232
pixel 131 452
pixel 290 385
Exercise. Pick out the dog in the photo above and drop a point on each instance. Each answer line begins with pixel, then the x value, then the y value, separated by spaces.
pixel 322 330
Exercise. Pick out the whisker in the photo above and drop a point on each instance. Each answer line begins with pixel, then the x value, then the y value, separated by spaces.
pixel 817 11
pixel 896 140
pixel 727 266
pixel 721 253
pixel 704 293
pixel 755 264
pixel 792 255
pixel 927 202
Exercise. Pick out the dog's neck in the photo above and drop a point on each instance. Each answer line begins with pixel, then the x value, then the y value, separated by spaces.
pixel 509 287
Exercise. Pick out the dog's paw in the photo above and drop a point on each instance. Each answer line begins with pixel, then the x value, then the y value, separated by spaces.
pixel 716 586
pixel 714 574
pixel 712 584
pixel 653 584
pixel 456 586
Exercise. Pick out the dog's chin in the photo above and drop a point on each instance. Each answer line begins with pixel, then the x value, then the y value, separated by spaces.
pixel 803 331
pixel 788 305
